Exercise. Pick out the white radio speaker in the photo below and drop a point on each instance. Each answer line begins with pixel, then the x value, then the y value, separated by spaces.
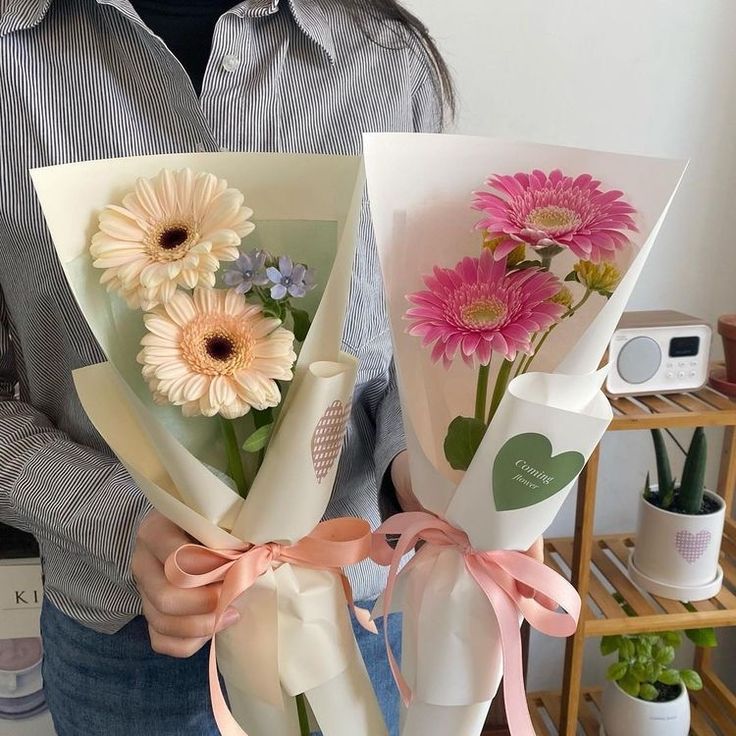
pixel 658 352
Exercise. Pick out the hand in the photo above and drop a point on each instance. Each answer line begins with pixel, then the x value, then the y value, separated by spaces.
pixel 180 622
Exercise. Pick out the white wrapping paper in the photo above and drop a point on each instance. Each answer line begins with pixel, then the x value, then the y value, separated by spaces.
pixel 294 635
pixel 548 422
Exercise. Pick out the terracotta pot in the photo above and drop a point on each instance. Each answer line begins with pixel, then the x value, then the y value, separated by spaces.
pixel 623 715
pixel 727 331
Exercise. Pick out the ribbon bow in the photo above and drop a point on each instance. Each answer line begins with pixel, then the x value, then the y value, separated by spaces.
pixel 331 546
pixel 498 573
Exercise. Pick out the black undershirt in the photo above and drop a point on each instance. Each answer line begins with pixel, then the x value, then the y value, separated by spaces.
pixel 186 27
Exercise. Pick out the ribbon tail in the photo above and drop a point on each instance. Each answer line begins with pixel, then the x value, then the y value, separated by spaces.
pixel 507 615
pixel 241 576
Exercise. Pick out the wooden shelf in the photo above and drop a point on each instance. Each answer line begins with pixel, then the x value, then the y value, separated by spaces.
pixel 705 407
pixel 597 567
pixel 602 613
pixel 711 716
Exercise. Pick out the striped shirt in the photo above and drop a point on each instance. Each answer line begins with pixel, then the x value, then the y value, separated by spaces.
pixel 85 79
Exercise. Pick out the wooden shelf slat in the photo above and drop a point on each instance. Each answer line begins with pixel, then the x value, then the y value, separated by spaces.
pixel 689 402
pixel 705 407
pixel 716 400
pixel 602 613
pixel 661 405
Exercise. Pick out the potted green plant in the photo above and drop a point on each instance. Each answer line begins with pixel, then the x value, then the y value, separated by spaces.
pixel 680 527
pixel 645 695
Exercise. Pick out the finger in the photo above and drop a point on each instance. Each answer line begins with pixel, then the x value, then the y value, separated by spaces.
pixel 167 598
pixel 172 647
pixel 186 627
pixel 161 536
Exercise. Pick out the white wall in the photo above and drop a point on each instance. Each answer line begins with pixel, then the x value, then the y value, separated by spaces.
pixel 653 77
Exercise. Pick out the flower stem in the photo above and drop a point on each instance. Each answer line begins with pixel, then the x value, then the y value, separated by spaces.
pixel 482 392
pixel 499 389
pixel 524 367
pixel 234 461
pixel 301 709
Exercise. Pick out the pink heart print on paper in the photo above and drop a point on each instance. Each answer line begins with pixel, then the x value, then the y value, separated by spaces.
pixel 692 546
pixel 327 438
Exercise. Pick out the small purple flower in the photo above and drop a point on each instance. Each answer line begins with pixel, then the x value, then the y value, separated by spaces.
pixel 249 270
pixel 290 279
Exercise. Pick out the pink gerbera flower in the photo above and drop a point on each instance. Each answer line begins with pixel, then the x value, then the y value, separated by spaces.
pixel 555 210
pixel 478 309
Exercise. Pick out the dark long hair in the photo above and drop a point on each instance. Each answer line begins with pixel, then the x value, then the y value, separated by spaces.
pixel 393 11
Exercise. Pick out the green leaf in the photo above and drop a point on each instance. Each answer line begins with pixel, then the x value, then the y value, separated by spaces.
pixel 630 685
pixel 671 638
pixel 670 677
pixel 663 655
pixel 617 671
pixel 640 670
pixel 259 439
pixel 664 470
pixel 302 323
pixel 691 680
pixel 648 692
pixel 702 637
pixel 690 493
pixel 627 649
pixel 610 644
pixel 464 436
pixel 527 264
pixel 572 276
pixel 606 294
pixel 644 649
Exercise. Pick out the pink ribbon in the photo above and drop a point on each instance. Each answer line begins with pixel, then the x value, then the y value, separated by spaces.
pixel 331 546
pixel 498 574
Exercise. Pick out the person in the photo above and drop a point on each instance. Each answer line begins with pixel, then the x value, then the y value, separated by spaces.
pixel 88 79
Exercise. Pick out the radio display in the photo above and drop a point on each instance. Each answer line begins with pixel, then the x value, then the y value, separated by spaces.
pixel 684 347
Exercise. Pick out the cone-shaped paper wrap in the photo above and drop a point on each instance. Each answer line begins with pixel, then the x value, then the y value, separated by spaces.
pixel 294 634
pixel 547 424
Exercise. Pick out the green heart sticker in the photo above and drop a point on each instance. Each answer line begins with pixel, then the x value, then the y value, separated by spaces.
pixel 525 472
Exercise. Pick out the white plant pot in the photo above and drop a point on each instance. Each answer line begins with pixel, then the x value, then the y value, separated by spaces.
pixel 623 715
pixel 676 555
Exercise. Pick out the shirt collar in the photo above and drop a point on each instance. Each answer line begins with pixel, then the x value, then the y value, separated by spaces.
pixel 18 15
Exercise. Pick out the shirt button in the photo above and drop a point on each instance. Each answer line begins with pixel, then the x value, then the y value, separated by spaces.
pixel 224 149
pixel 230 63
pixel 200 147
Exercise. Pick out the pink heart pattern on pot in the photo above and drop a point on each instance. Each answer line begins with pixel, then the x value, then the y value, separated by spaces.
pixel 692 546
pixel 327 438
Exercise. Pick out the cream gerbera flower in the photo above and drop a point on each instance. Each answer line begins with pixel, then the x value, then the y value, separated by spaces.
pixel 172 230
pixel 211 352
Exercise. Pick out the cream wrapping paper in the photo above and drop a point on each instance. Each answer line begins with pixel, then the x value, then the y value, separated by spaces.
pixel 294 635
pixel 548 422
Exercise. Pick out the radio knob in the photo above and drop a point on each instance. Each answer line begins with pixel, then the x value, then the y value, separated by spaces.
pixel 639 360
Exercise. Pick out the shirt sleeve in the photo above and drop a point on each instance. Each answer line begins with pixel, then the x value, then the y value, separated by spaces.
pixel 427 117
pixel 73 497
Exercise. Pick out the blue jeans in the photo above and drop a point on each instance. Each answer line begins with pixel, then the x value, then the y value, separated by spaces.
pixel 102 685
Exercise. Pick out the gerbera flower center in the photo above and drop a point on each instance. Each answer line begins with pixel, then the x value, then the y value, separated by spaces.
pixel 171 241
pixel 483 313
pixel 215 345
pixel 552 218
pixel 219 347
pixel 173 237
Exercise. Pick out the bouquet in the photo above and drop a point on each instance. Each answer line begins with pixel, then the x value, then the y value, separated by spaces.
pixel 217 286
pixel 507 267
